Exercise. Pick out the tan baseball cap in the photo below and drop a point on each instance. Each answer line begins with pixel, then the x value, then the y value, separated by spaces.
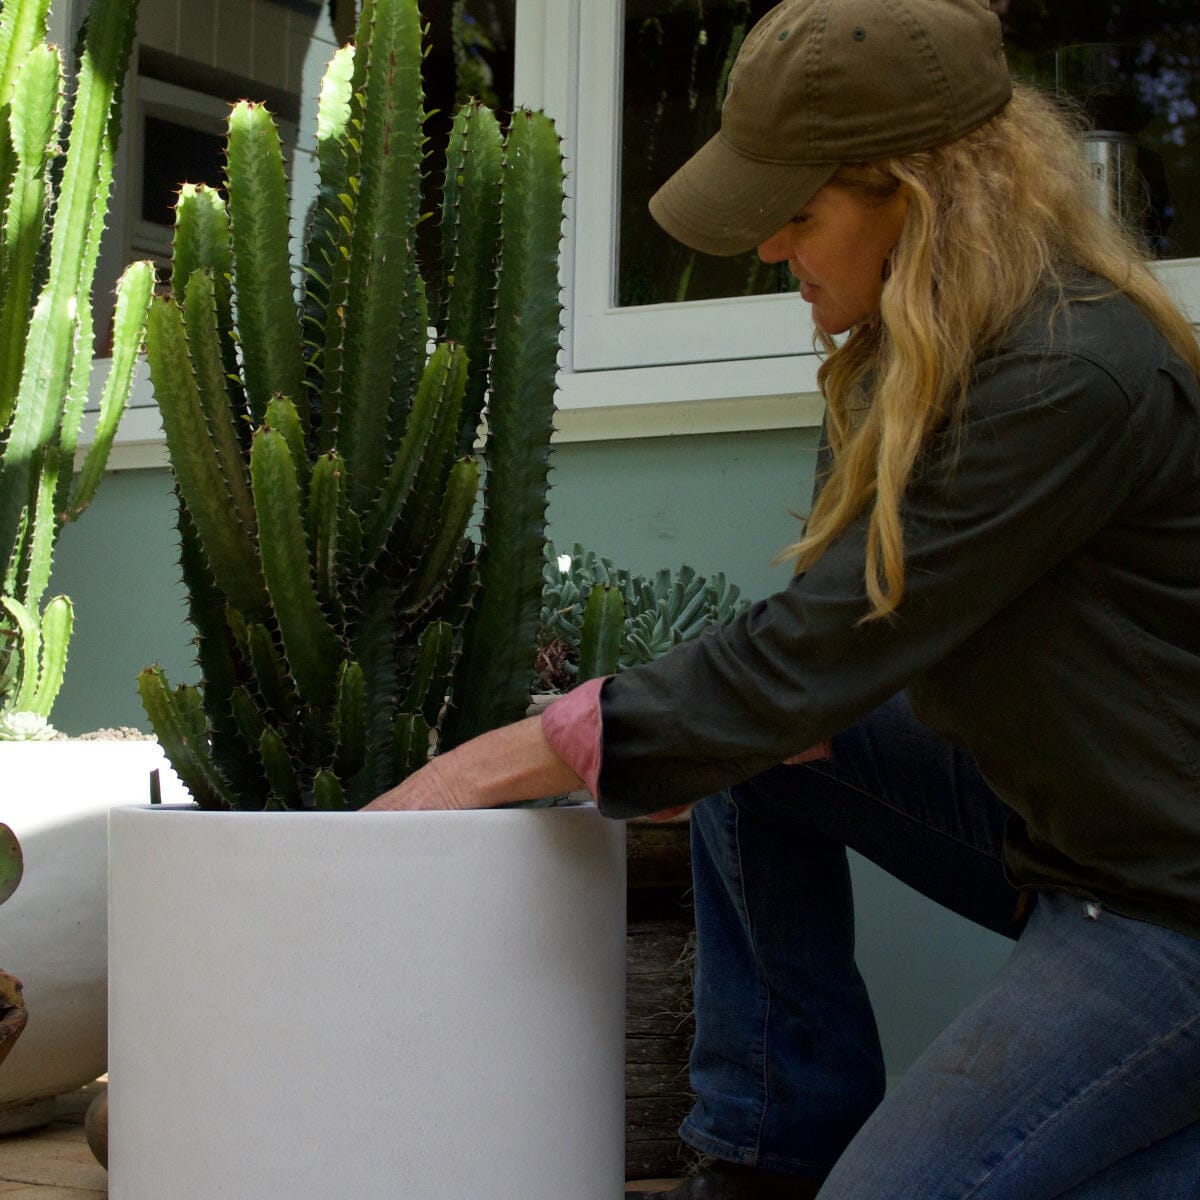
pixel 819 83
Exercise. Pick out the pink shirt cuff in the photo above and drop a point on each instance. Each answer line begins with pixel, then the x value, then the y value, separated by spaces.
pixel 572 727
pixel 820 750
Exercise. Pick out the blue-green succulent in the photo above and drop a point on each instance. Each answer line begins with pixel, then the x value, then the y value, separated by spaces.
pixel 656 612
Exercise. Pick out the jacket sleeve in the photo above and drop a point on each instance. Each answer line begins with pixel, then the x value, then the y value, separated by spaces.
pixel 1043 455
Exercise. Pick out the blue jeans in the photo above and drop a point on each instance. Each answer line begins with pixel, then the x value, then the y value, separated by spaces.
pixel 1076 1073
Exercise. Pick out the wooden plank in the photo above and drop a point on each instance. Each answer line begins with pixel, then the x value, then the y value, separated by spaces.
pixel 656 1080
pixel 661 1049
pixel 659 1024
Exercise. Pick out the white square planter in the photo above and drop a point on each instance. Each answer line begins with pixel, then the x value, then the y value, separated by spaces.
pixel 399 1005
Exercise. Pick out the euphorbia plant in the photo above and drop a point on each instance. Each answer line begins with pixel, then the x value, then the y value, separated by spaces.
pixel 329 448
pixel 55 178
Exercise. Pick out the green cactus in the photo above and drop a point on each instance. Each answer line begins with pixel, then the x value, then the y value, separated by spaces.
pixel 362 511
pixel 656 614
pixel 48 251
pixel 601 632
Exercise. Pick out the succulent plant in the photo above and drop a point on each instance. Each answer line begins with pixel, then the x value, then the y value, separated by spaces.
pixel 12 1006
pixel 658 612
pixel 55 177
pixel 11 862
pixel 360 599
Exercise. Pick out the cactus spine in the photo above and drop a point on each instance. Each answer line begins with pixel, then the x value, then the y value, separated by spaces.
pixel 350 617
pixel 48 252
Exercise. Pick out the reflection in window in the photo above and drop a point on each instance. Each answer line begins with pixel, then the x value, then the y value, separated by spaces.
pixel 677 59
pixel 1134 68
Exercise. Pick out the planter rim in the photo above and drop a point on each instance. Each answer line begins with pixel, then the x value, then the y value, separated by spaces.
pixel 504 814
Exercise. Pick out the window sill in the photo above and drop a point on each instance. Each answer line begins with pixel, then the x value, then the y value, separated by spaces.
pixel 593 406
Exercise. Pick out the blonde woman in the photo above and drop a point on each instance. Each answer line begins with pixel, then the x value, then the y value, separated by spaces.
pixel 985 673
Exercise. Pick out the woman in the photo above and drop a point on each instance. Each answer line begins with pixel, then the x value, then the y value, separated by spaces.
pixel 984 674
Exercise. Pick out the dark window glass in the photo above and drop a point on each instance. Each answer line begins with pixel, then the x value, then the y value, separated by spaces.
pixel 1133 66
pixel 677 59
pixel 172 152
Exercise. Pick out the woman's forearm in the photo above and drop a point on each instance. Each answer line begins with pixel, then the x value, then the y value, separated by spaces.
pixel 512 763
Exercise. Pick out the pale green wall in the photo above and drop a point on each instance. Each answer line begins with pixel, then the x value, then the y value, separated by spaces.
pixel 717 503
pixel 119 565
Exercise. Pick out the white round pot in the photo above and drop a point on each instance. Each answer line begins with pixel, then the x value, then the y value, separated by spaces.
pixel 56 797
pixel 400 1005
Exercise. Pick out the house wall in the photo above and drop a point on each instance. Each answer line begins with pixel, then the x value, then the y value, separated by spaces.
pixel 254 39
pixel 718 503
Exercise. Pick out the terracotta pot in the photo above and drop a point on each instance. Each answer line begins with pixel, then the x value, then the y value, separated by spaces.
pixel 13 1014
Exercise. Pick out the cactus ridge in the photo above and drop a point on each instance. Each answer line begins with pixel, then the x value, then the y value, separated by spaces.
pixel 497 665
pixel 202 242
pixel 471 239
pixel 35 110
pixel 268 322
pixel 134 290
pixel 386 212
pixel 328 522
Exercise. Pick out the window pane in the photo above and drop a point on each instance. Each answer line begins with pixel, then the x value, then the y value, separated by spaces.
pixel 1134 65
pixel 173 151
pixel 1135 69
pixel 677 59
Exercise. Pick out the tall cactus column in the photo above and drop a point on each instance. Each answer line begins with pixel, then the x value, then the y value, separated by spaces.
pixel 46 326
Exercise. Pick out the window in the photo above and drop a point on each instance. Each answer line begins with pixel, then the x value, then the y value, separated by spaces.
pixel 640 302
pixel 650 326
pixel 659 341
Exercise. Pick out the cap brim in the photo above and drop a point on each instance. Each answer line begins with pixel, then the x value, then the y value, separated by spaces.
pixel 720 202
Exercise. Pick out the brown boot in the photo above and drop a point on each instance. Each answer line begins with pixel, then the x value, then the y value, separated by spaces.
pixel 731 1181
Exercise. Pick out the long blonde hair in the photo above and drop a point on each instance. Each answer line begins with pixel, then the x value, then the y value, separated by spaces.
pixel 991 219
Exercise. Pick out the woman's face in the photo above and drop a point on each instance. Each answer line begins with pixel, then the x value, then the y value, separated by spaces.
pixel 837 246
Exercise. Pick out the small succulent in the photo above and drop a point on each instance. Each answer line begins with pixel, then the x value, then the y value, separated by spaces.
pixel 660 612
pixel 11 862
pixel 25 727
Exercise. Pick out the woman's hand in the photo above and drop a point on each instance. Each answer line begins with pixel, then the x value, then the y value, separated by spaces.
pixel 432 787
pixel 506 765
